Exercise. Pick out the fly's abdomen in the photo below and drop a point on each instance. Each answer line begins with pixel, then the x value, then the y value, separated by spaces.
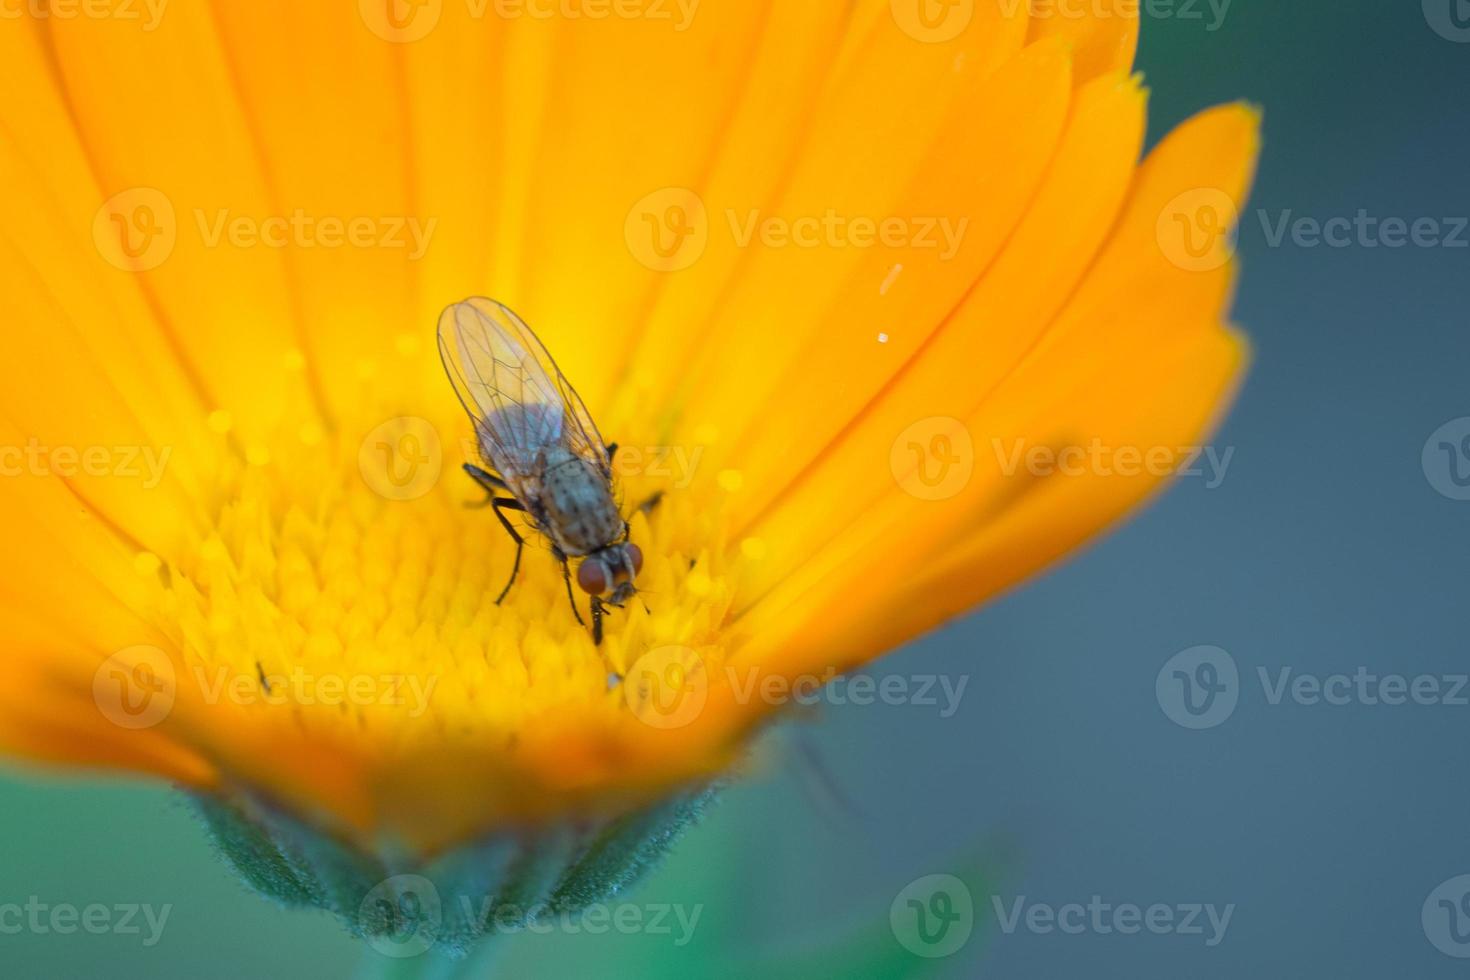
pixel 580 513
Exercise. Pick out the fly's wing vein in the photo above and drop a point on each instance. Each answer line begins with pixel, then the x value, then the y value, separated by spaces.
pixel 520 401
pixel 579 433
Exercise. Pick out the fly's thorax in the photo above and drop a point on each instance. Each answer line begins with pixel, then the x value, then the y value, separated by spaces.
pixel 577 504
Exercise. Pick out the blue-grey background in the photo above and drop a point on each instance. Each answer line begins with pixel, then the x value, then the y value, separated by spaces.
pixel 1325 549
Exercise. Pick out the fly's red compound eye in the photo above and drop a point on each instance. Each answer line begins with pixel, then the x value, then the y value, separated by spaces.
pixel 635 555
pixel 592 577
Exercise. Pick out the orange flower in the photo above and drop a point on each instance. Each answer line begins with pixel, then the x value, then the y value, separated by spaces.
pixel 835 276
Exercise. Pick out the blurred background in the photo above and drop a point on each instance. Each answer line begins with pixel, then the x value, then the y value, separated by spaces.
pixel 1084 764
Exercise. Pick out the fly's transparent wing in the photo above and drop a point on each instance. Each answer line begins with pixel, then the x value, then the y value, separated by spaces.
pixel 519 400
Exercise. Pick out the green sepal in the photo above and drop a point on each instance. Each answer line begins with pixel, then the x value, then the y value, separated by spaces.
pixel 404 905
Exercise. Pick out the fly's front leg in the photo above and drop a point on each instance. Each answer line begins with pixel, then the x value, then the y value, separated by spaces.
pixel 596 621
pixel 566 574
pixel 488 482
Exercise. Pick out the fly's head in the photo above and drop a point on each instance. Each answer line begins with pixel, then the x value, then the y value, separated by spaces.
pixel 611 573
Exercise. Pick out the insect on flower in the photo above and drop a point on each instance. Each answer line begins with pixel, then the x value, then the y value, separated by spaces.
pixel 545 457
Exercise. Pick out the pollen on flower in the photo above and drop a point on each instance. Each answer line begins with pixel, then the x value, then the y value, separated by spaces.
pixel 375 617
pixel 698 584
pixel 310 433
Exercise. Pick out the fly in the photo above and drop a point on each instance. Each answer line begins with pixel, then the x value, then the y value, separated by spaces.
pixel 543 454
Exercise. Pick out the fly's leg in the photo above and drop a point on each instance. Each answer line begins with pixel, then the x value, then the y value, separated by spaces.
pixel 596 621
pixel 500 505
pixel 493 484
pixel 566 574
pixel 648 505
pixel 488 482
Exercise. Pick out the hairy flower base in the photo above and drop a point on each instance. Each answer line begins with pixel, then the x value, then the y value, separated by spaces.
pixel 405 905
